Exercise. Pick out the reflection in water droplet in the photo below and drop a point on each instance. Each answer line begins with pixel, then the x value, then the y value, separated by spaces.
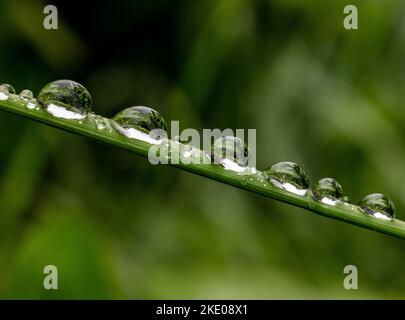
pixel 231 153
pixel 378 205
pixel 138 122
pixel 65 99
pixel 26 95
pixel 328 191
pixel 288 176
pixel 5 91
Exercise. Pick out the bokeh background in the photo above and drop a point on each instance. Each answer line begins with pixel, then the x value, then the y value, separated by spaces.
pixel 327 98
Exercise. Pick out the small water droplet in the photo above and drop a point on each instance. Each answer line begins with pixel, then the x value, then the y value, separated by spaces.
pixel 345 199
pixel 328 190
pixel 100 122
pixel 65 99
pixel 26 95
pixel 32 104
pixel 138 122
pixel 191 154
pixel 288 176
pixel 8 88
pixel 5 91
pixel 231 153
pixel 187 151
pixel 261 178
pixel 255 177
pixel 378 205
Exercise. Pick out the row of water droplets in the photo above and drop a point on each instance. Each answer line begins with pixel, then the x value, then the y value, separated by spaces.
pixel 70 100
pixel 7 91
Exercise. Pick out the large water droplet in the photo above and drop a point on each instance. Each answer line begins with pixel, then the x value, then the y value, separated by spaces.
pixel 328 191
pixel 5 91
pixel 65 99
pixel 288 176
pixel 138 122
pixel 26 95
pixel 231 152
pixel 378 205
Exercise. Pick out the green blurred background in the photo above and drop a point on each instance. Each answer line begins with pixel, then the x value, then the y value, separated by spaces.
pixel 117 227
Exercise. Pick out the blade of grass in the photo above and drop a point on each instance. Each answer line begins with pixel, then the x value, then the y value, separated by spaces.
pixel 88 129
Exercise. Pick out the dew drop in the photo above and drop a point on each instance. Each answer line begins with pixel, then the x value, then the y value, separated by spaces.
pixel 231 153
pixel 345 199
pixel 100 122
pixel 191 154
pixel 328 191
pixel 5 91
pixel 378 205
pixel 187 151
pixel 261 178
pixel 65 99
pixel 255 177
pixel 26 95
pixel 288 176
pixel 100 125
pixel 32 104
pixel 138 122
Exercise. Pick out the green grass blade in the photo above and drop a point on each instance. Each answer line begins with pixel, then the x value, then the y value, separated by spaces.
pixel 88 129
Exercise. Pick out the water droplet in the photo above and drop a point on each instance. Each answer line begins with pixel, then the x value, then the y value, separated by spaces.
pixel 65 99
pixel 5 91
pixel 100 125
pixel 328 190
pixel 26 95
pixel 231 152
pixel 261 178
pixel 32 104
pixel 288 176
pixel 253 177
pixel 8 88
pixel 187 151
pixel 378 205
pixel 138 122
pixel 100 122
pixel 345 199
